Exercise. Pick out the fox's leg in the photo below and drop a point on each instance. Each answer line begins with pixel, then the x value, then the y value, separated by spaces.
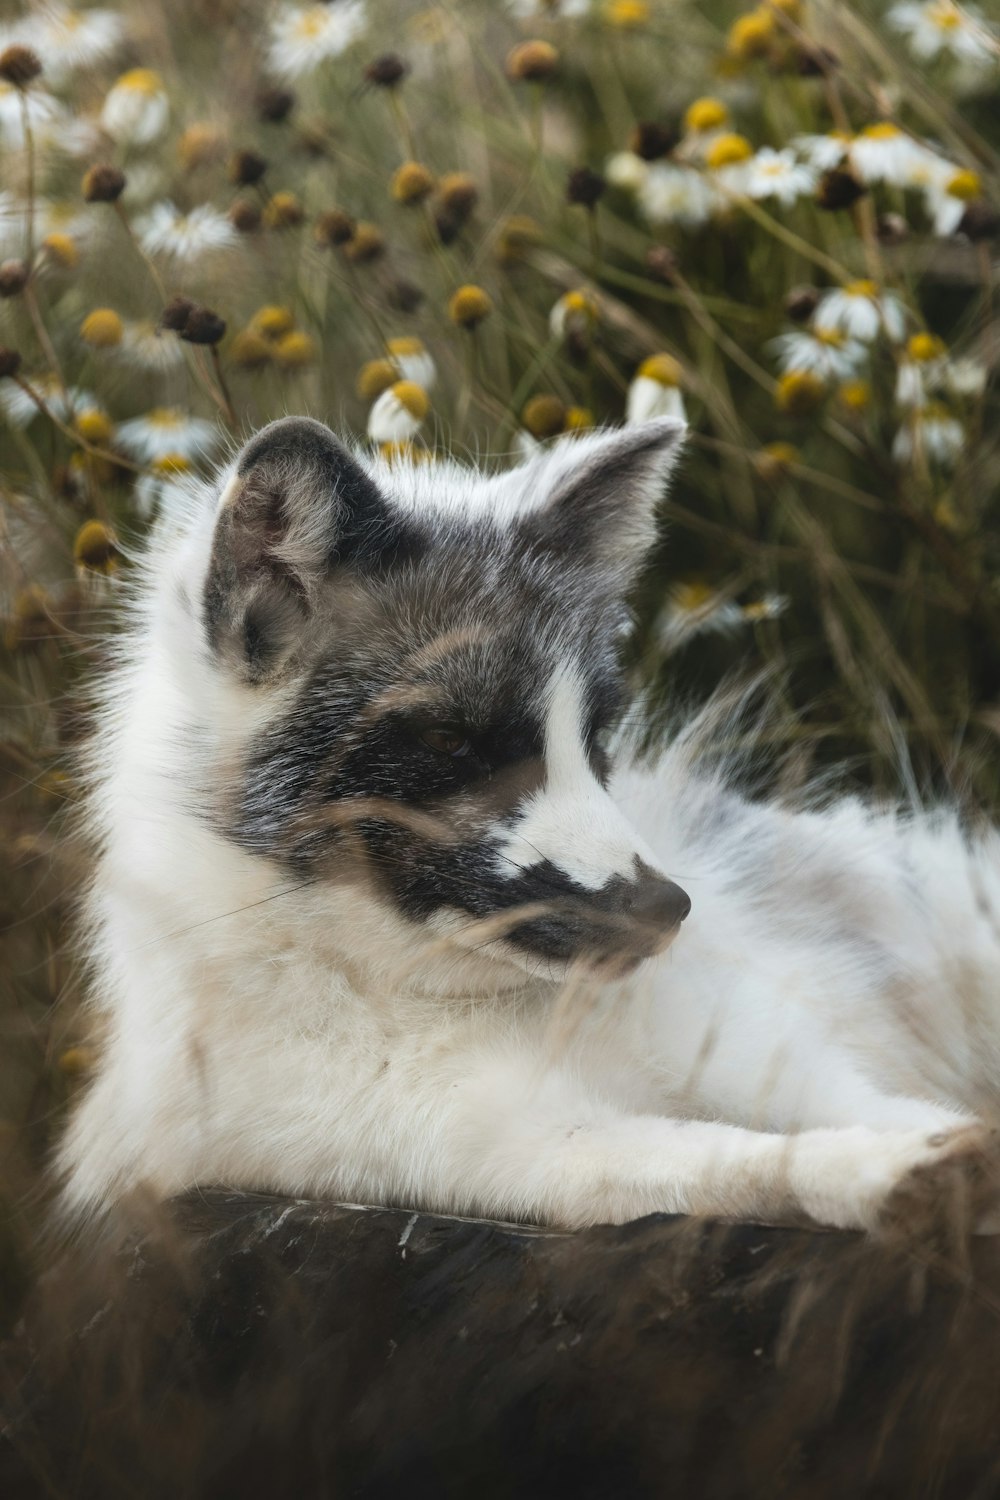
pixel 543 1149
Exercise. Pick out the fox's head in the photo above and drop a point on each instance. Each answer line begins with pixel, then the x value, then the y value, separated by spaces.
pixel 428 658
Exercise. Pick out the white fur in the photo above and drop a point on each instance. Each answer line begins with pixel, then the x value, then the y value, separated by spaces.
pixel 826 1023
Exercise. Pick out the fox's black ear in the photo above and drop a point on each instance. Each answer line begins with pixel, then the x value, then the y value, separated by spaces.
pixel 600 492
pixel 296 504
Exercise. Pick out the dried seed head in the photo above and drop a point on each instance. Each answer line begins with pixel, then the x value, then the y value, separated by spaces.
pixel 800 304
pixel 458 194
pixel 411 183
pixel 981 221
pixel 246 168
pixel 386 71
pixel 543 416
pixel 95 548
pixel 283 211
pixel 662 264
pixel 366 244
pixel 892 229
pixel 275 105
pixel 10 362
pixel 518 234
pixel 799 392
pixel 651 140
pixel 176 313
pixel 203 327
pixel 102 328
pixel 13 277
pixel 334 227
pixel 244 215
pixel 584 187
pixel 103 184
pixel 469 306
pixel 19 66
pixel 531 62
pixel 403 296
pixel 839 188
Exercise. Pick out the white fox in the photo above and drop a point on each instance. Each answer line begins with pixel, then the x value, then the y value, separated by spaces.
pixel 377 918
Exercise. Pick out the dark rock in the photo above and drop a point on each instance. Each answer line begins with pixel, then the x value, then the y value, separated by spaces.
pixel 279 1348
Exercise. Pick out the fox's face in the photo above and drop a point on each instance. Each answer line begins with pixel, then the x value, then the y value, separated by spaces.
pixel 436 656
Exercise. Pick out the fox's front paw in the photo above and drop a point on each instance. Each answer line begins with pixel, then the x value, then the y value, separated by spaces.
pixel 904 1182
pixel 953 1190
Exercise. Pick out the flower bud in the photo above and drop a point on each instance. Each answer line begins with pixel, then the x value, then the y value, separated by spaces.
pixel 469 306
pixel 839 188
pixel 543 416
pixel 411 183
pixel 246 168
pixel 386 71
pixel 531 62
pixel 650 140
pixel 275 105
pixel 10 363
pixel 19 66
pixel 584 187
pixel 244 216
pixel 13 277
pixel 283 211
pixel 334 227
pixel 103 184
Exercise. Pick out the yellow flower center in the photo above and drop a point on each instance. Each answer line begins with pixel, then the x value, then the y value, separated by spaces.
pixel 273 320
pixel 62 249
pixel 578 418
pixel 171 463
pixel 693 595
pixel 799 392
pixel 626 13
pixel 863 288
pixel 295 349
pixel 165 417
pixel 469 306
pixel 944 15
pixel 925 346
pixel 400 348
pixel 965 185
pixel 856 395
pixel 832 337
pixel 375 377
pixel 662 368
pixel 728 150
pixel 705 114
pixel 93 426
pixel 883 131
pixel 102 328
pixel 750 35
pixel 310 23
pixel 412 398
pixel 141 81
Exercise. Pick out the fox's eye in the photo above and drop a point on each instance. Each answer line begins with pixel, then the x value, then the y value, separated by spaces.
pixel 446 741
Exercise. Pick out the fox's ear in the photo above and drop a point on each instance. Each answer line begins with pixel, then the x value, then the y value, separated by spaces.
pixel 295 505
pixel 599 494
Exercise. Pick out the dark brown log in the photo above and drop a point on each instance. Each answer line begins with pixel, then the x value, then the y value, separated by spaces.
pixel 300 1349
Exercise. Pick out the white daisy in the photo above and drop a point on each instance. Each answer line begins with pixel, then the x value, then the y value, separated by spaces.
pixel 20 409
pixel 573 312
pixel 676 195
pixel 144 347
pixel 825 353
pixel 777 174
pixel 398 413
pixel 543 10
pixel 884 153
pixel 68 39
pixel 935 26
pixel 655 390
pixel 304 36
pixel 861 311
pixel 413 360
pixel 767 607
pixel 136 109
pixel 930 432
pixel 947 196
pixel 696 609
pixel 165 230
pixel 164 486
pixel 164 432
pixel 822 152
pixel 45 115
pixel 626 170
pixel 921 370
pixel 965 378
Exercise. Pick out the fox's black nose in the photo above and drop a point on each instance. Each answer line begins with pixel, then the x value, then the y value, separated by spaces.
pixel 659 903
